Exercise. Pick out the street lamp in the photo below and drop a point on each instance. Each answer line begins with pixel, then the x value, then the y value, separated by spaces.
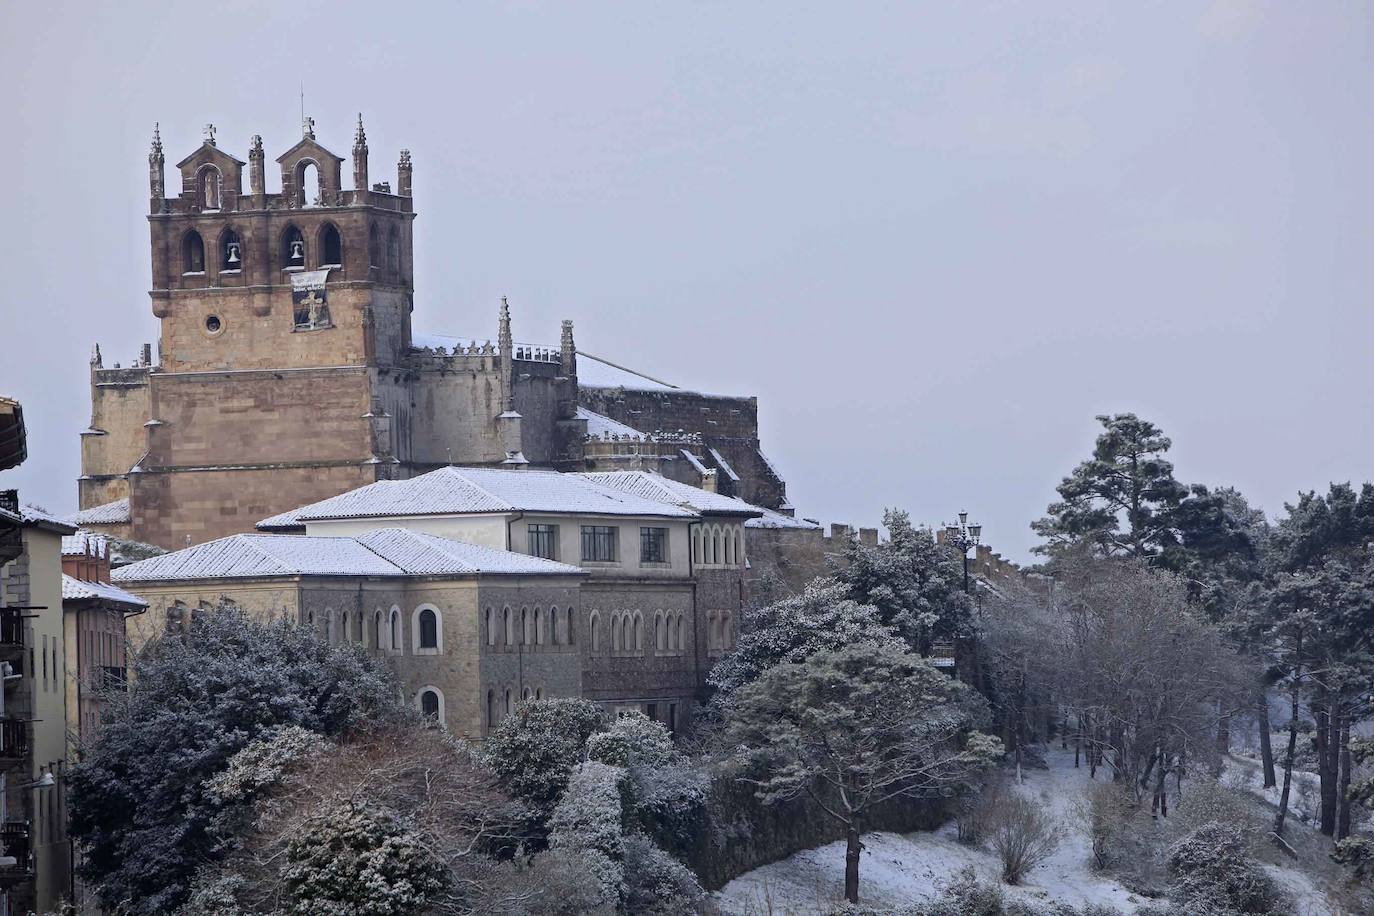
pixel 961 537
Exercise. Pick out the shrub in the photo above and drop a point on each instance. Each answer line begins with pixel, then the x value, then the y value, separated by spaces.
pixel 656 884
pixel 535 749
pixel 1022 835
pixel 1213 866
pixel 1102 814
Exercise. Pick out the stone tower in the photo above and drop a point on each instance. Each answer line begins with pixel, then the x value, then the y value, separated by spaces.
pixel 284 320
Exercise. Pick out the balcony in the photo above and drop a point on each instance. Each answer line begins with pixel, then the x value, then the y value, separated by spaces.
pixel 16 849
pixel 14 739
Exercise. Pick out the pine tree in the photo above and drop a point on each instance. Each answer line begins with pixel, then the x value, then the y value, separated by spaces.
pixel 1121 501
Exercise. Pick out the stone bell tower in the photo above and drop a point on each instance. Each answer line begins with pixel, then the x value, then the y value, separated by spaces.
pixel 285 319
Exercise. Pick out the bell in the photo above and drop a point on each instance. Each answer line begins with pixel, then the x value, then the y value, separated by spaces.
pixel 298 250
pixel 233 252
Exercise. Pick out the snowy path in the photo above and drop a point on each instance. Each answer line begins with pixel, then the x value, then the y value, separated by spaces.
pixel 905 868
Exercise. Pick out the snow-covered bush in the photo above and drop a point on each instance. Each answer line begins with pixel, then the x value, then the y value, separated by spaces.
pixel 663 792
pixel 656 883
pixel 353 858
pixel 1022 834
pixel 263 763
pixel 1357 854
pixel 214 893
pixel 586 857
pixel 1213 865
pixel 534 750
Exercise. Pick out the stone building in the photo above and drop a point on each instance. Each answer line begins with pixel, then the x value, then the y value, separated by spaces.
pixel 622 587
pixel 287 370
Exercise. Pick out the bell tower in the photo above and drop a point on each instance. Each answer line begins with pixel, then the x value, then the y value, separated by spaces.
pixel 285 324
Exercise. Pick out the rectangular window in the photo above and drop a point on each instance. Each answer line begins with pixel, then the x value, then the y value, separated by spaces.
pixel 653 545
pixel 544 541
pixel 598 543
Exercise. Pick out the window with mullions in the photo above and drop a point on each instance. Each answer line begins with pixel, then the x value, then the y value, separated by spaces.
pixel 544 541
pixel 598 543
pixel 653 545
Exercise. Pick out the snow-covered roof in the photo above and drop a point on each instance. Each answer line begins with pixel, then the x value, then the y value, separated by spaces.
pixel 426 554
pixel 470 491
pixel 725 465
pixel 592 371
pixel 83 543
pixel 772 519
pixel 381 552
pixel 661 489
pixel 286 521
pixel 109 514
pixel 32 515
pixel 75 590
pixel 603 427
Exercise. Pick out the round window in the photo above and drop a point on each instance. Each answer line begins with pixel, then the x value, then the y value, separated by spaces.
pixel 213 325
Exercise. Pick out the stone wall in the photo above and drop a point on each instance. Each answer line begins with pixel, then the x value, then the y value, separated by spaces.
pixel 639 675
pixel 116 437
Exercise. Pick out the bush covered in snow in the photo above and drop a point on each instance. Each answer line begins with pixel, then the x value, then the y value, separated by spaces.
pixel 535 749
pixel 656 884
pixel 1213 866
pixel 664 792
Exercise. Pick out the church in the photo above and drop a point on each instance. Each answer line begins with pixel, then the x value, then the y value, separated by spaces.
pixel 288 371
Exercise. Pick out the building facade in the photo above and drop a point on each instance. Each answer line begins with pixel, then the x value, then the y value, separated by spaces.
pixel 287 370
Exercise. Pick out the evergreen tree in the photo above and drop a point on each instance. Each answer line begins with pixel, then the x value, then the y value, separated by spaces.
pixel 139 803
pixel 1121 501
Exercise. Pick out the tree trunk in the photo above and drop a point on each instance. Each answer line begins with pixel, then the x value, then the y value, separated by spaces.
pixel 1266 745
pixel 851 862
pixel 1326 753
pixel 1223 739
pixel 1292 750
pixel 1343 802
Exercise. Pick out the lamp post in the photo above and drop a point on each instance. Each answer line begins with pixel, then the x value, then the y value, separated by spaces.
pixel 961 537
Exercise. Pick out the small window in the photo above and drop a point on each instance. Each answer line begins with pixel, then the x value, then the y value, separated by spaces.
pixel 331 245
pixel 653 545
pixel 491 626
pixel 555 637
pixel 213 325
pixel 377 642
pixel 231 252
pixel 396 643
pixel 544 541
pixel 193 253
pixel 510 705
pixel 429 703
pixel 570 630
pixel 491 708
pixel 599 543
pixel 594 625
pixel 429 629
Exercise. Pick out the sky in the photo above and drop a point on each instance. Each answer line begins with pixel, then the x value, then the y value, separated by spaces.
pixel 934 239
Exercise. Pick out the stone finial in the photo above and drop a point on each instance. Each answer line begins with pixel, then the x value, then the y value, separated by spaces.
pixel 360 137
pixel 404 171
pixel 210 134
pixel 360 157
pixel 95 358
pixel 257 181
pixel 156 183
pixel 567 350
pixel 308 128
pixel 156 153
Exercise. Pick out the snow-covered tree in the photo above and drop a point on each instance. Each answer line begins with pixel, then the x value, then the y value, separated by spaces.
pixel 141 807
pixel 854 729
pixel 663 791
pixel 535 750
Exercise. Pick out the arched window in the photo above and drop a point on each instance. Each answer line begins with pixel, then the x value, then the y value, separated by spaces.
pixel 362 634
pixel 538 627
pixel 571 630
pixel 639 632
pixel 729 547
pixel 727 639
pixel 230 251
pixel 696 545
pixel 615 632
pixel 539 693
pixel 431 703
pixel 681 633
pixel 310 620
pixel 374 247
pixel 396 643
pixel 393 252
pixel 510 634
pixel 510 706
pixel 491 626
pixel 292 248
pixel 712 631
pixel 425 626
pixel 594 625
pixel 331 245
pixel 491 708
pixel 660 632
pixel 193 253
pixel 527 695
pixel 527 625
pixel 377 641
pixel 309 186
pixel 208 187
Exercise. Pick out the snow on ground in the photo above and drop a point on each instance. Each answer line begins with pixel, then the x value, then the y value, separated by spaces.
pixel 898 869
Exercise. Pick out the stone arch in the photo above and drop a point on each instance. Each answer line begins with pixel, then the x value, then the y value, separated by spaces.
pixel 209 187
pixel 594 627
pixel 395 641
pixel 378 641
pixel 639 632
pixel 306 170
pixel 230 248
pixel 293 250
pixel 539 627
pixel 362 630
pixel 430 701
pixel 330 245
pixel 507 624
pixel 681 631
pixel 571 628
pixel 192 253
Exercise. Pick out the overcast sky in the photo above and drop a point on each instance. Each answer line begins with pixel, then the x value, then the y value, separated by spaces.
pixel 934 239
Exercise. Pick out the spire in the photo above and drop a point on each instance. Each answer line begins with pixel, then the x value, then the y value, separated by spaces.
pixel 156 182
pixel 568 349
pixel 95 357
pixel 360 157
pixel 506 345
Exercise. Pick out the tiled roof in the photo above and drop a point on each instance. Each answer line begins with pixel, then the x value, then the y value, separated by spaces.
pixel 286 521
pixel 382 552
pixel 32 515
pixel 428 555
pixel 108 514
pixel 661 489
pixel 83 543
pixel 76 589
pixel 467 491
pixel 771 519
pixel 602 427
